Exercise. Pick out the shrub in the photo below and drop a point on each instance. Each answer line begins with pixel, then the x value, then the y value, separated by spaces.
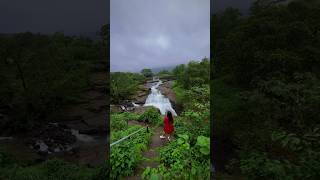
pixel 51 169
pixel 151 115
pixel 119 121
pixel 127 154
pixel 182 160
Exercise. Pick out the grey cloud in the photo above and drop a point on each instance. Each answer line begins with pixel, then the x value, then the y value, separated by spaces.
pixel 47 16
pixel 153 33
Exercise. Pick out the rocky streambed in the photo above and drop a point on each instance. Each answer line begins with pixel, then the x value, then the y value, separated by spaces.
pixel 78 135
pixel 135 104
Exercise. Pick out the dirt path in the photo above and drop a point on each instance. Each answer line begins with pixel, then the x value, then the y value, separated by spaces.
pixel 150 156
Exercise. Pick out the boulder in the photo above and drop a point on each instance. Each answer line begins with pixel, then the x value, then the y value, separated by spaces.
pixel 52 138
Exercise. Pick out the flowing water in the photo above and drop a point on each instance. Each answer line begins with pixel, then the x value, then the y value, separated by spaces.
pixel 158 100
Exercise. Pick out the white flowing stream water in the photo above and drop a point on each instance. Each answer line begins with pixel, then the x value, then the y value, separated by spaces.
pixel 158 100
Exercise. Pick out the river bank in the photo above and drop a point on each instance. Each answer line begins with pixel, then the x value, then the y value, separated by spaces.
pixel 77 134
pixel 135 103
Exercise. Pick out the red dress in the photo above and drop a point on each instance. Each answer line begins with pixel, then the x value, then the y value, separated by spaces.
pixel 168 127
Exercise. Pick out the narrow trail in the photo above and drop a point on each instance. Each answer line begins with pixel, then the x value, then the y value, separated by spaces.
pixel 150 155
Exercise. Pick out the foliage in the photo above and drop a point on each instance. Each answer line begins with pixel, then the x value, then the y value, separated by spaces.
pixel 179 92
pixel 180 158
pixel 266 80
pixel 123 85
pixel 147 72
pixel 195 118
pixel 258 166
pixel 119 121
pixel 163 74
pixel 126 155
pixel 193 74
pixel 297 158
pixel 151 115
pixel 40 74
pixel 51 169
pixel 204 143
pixel 187 157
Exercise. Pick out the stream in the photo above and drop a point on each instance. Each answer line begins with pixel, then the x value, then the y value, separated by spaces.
pixel 158 100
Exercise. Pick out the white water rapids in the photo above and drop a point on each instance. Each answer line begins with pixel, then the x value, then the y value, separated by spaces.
pixel 158 100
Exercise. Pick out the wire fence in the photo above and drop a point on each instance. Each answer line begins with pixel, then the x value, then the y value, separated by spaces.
pixel 126 137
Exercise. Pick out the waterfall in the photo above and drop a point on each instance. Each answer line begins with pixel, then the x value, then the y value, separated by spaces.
pixel 158 100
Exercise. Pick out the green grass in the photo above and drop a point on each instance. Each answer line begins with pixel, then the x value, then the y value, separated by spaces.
pixel 126 155
pixel 51 169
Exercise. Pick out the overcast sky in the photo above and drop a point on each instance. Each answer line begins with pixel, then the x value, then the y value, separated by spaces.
pixel 71 16
pixel 145 33
pixel 47 16
pixel 153 33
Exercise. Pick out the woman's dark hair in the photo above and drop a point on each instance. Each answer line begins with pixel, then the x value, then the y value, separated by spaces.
pixel 169 115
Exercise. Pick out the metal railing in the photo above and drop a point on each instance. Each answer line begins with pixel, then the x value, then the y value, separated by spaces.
pixel 126 137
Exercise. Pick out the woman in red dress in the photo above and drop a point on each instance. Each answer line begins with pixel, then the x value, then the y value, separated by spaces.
pixel 168 125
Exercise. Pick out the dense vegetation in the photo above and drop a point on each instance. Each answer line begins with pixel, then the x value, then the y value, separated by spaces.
pixel 188 156
pixel 12 169
pixel 265 90
pixel 124 85
pixel 41 73
pixel 147 72
pixel 126 155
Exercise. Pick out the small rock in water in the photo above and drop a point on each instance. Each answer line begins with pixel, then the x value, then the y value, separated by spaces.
pixel 68 148
pixel 42 146
pixel 52 138
pixel 57 149
pixel 81 137
pixel 130 108
pixel 54 124
pixel 135 105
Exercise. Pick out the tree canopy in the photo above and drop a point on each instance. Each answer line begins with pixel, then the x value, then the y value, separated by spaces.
pixel 147 72
pixel 268 62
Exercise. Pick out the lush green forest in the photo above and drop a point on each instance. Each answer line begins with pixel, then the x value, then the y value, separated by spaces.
pixel 187 156
pixel 40 75
pixel 265 90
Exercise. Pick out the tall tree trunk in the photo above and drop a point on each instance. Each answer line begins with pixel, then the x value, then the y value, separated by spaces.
pixel 21 75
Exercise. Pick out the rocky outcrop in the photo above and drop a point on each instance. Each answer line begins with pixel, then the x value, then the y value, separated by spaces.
pixel 141 95
pixel 52 138
pixel 166 90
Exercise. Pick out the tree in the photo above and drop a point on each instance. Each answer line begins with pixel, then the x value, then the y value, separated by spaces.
pixel 123 85
pixel 40 74
pixel 268 62
pixel 147 72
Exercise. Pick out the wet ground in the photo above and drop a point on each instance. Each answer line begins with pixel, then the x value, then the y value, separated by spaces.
pixel 151 155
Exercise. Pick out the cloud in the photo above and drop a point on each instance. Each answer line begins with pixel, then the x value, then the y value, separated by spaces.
pixel 48 16
pixel 153 33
